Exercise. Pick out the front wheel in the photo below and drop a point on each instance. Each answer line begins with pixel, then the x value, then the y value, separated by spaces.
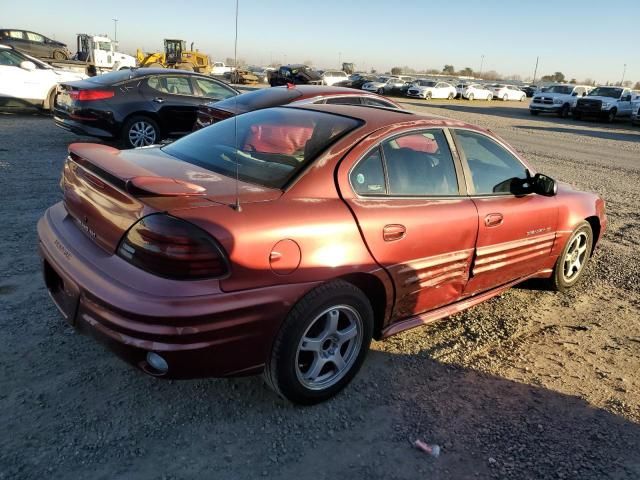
pixel 573 259
pixel 505 98
pixel 489 97
pixel 60 55
pixel 611 115
pixel 381 91
pixel 450 97
pixel 321 344
pixel 564 111
pixel 140 131
pixel 470 97
pixel 427 96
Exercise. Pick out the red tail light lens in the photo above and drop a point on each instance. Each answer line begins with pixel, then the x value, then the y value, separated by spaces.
pixel 169 247
pixel 88 95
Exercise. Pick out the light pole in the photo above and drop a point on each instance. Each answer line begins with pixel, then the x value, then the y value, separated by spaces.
pixel 535 71
pixel 339 59
pixel 481 64
pixel 115 29
pixel 624 71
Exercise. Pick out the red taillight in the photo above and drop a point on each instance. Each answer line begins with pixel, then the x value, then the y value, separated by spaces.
pixel 172 248
pixel 88 95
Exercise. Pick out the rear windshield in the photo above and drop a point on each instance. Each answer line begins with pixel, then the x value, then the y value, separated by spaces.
pixel 263 98
pixel 111 77
pixel 269 147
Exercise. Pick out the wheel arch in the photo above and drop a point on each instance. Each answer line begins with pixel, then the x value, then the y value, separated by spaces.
pixel 596 228
pixel 375 290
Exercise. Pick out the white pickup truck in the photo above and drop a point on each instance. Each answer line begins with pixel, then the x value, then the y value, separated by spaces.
pixel 605 102
pixel 559 99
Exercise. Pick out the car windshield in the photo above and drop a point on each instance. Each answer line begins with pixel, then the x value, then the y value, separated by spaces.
pixel 268 147
pixel 606 92
pixel 258 99
pixel 382 79
pixel 426 83
pixel 560 89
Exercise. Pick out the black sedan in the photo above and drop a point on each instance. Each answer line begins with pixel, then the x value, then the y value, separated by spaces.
pixel 136 107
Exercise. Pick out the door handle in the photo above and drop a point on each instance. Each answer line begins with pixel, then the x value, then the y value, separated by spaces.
pixel 493 219
pixel 393 232
pixel 158 100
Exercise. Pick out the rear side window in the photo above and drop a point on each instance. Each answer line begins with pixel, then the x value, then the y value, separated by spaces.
pixel 420 164
pixel 344 101
pixel 34 37
pixel 367 178
pixel 374 102
pixel 493 168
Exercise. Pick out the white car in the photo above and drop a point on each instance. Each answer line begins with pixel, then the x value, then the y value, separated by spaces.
pixel 383 84
pixel 329 77
pixel 508 92
pixel 476 91
pixel 431 89
pixel 559 99
pixel 26 81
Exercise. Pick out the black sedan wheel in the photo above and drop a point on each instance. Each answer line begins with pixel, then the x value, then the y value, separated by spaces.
pixel 140 131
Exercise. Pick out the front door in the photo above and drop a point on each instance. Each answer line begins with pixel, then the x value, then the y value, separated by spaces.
pixel 516 231
pixel 417 224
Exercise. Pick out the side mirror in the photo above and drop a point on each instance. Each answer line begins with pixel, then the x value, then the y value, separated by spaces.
pixel 28 66
pixel 543 185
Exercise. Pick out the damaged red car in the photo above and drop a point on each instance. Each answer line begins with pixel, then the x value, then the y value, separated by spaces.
pixel 283 240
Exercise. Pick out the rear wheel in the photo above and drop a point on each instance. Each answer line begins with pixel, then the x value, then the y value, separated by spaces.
pixel 427 96
pixel 321 344
pixel 140 131
pixel 489 97
pixel 381 91
pixel 470 96
pixel 573 259
pixel 450 97
pixel 505 97
pixel 51 98
pixel 523 98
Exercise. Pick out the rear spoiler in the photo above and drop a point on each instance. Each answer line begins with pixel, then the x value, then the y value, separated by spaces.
pixel 106 163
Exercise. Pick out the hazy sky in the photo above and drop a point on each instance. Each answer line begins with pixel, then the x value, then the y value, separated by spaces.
pixel 579 38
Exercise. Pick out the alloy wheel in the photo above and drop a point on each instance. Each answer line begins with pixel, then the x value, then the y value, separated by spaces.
pixel 329 347
pixel 142 134
pixel 575 258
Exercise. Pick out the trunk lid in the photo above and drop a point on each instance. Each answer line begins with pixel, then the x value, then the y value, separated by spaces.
pixel 107 190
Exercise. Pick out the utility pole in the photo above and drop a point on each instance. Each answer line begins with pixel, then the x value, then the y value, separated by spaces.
pixel 115 29
pixel 624 71
pixel 481 64
pixel 535 71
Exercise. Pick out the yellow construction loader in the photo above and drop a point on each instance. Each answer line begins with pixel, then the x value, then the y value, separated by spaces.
pixel 175 55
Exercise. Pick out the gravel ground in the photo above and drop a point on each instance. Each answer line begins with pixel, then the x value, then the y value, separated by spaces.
pixel 530 385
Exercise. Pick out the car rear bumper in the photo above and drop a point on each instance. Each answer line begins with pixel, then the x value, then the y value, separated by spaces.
pixel 196 327
pixel 81 128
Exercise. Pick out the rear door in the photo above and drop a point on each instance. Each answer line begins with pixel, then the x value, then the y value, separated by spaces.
pixel 172 97
pixel 17 39
pixel 405 194
pixel 516 231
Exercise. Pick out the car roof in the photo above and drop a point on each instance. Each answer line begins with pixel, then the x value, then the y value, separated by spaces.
pixel 380 117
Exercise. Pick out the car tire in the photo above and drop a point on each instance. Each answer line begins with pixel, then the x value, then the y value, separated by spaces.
pixel 50 101
pixel 142 128
pixel 523 98
pixel 564 111
pixel 381 91
pixel 489 97
pixel 574 258
pixel 611 115
pixel 427 96
pixel 301 367
pixel 470 97
pixel 505 98
pixel 534 112
pixel 60 55
pixel 450 97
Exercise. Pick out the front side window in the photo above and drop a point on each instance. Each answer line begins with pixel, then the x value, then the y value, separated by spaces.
pixel 494 170
pixel 212 89
pixel 34 37
pixel 420 164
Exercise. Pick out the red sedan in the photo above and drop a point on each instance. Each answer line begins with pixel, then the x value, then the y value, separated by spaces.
pixel 283 240
pixel 277 96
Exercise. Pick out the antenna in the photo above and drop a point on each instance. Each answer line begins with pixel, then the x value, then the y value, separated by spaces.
pixel 236 206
